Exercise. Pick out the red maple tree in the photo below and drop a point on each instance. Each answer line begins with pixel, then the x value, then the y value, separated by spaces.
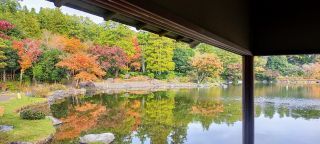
pixel 111 58
pixel 4 27
pixel 28 52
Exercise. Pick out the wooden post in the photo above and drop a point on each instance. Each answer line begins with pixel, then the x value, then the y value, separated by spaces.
pixel 247 100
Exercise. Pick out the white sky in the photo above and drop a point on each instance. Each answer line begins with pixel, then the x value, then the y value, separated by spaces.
pixel 37 4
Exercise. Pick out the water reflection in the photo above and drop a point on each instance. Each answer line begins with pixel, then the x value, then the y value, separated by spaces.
pixel 179 116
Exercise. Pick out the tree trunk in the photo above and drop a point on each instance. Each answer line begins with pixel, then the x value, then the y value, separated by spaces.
pixel 14 75
pixel 4 75
pixel 21 74
pixel 77 83
pixel 143 65
pixel 117 73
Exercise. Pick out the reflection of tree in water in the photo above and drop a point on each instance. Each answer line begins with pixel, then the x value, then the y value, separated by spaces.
pixel 162 117
pixel 81 118
pixel 157 120
pixel 284 110
pixel 122 117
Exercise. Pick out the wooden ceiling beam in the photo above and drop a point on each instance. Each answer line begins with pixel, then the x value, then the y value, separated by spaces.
pixel 163 32
pixel 59 3
pixel 169 22
pixel 140 25
pixel 109 15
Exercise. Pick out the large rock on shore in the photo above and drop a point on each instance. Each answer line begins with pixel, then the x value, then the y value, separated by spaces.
pixel 105 138
pixel 55 121
pixel 61 94
pixel 5 128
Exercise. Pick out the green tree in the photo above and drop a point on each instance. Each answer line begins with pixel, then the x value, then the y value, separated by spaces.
pixel 2 54
pixel 46 70
pixel 116 34
pixel 181 58
pixel 281 64
pixel 27 22
pixel 11 61
pixel 157 52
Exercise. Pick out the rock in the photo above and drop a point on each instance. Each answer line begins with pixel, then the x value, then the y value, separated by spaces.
pixel 87 85
pixel 55 121
pixel 105 138
pixel 110 80
pixel 5 128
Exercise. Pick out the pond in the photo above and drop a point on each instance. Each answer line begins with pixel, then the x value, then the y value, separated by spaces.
pixel 283 114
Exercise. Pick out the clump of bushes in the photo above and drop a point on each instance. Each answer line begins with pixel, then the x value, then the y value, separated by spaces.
pixel 32 115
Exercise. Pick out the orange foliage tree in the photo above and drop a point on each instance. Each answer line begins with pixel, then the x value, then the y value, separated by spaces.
pixel 83 66
pixel 135 60
pixel 312 70
pixel 206 65
pixel 69 45
pixel 28 52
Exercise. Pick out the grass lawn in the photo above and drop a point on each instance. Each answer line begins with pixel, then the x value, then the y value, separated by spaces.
pixel 24 130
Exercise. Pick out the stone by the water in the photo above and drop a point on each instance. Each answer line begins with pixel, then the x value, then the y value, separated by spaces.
pixel 5 128
pixel 55 121
pixel 105 138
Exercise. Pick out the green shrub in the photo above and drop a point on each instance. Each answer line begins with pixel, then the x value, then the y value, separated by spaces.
pixel 171 76
pixel 151 75
pixel 184 79
pixel 32 115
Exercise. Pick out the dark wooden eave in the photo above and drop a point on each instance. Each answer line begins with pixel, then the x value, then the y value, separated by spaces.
pixel 159 22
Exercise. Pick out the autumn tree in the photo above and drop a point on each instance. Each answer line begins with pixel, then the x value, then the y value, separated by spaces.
pixel 83 66
pixel 69 45
pixel 206 65
pixel 135 59
pixel 233 72
pixel 28 52
pixel 111 59
pixel 312 70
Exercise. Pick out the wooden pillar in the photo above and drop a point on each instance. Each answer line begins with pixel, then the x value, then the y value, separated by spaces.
pixel 247 100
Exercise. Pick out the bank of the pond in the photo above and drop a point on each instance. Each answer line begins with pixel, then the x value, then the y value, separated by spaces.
pixel 23 130
pixel 123 86
pixel 148 85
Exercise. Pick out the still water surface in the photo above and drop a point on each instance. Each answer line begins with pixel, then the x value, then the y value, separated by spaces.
pixel 284 114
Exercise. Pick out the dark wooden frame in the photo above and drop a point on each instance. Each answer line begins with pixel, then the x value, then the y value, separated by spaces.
pixel 248 100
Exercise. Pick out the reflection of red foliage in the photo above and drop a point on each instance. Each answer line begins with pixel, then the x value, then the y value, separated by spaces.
pixel 133 112
pixel 82 118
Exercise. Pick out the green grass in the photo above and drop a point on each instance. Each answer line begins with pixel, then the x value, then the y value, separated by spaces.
pixel 24 130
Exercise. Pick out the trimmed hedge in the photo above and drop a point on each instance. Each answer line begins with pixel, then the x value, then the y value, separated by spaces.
pixel 32 115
